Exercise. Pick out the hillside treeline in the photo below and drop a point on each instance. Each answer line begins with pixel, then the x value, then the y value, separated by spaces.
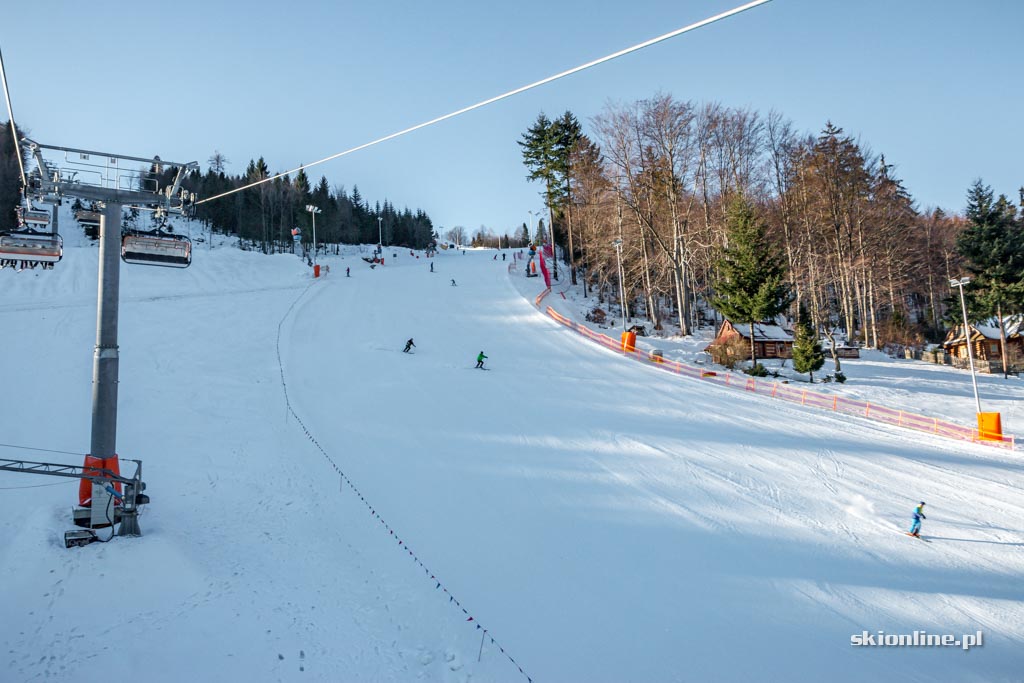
pixel 659 173
pixel 263 216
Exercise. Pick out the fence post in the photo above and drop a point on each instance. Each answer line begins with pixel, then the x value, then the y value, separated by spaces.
pixel 835 403
pixel 775 388
pixel 803 397
pixel 867 408
pixel 899 420
pixel 727 375
pixel 936 427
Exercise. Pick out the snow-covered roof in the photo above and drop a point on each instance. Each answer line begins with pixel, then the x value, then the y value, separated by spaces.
pixel 764 332
pixel 1013 325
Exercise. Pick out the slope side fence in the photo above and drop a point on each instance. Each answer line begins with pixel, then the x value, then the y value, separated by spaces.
pixel 785 392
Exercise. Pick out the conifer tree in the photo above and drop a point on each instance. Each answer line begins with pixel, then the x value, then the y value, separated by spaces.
pixel 752 287
pixel 541 156
pixel 807 353
pixel 993 248
pixel 10 178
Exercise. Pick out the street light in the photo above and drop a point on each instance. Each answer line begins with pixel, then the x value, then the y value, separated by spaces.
pixel 530 231
pixel 622 286
pixel 967 336
pixel 380 239
pixel 313 210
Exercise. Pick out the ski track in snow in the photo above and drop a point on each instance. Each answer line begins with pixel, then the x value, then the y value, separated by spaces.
pixel 607 521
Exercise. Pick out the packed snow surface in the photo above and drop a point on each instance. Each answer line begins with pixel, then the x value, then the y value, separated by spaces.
pixel 602 520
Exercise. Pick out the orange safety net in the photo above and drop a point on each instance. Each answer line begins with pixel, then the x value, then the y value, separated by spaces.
pixel 785 392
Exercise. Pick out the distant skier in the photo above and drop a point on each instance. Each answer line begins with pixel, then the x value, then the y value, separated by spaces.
pixel 347 273
pixel 502 256
pixel 480 360
pixel 431 266
pixel 453 283
pixel 408 345
pixel 915 527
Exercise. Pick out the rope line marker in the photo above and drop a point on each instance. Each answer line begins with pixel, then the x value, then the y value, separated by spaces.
pixel 346 480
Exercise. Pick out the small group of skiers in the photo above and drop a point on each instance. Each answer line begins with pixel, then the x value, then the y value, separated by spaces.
pixel 409 345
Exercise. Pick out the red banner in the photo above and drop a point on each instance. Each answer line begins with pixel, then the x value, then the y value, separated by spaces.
pixel 544 270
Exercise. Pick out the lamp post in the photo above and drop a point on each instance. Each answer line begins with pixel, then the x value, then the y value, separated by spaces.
pixel 530 231
pixel 967 336
pixel 313 210
pixel 622 286
pixel 380 238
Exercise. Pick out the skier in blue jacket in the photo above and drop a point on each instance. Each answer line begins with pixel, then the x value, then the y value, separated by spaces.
pixel 915 528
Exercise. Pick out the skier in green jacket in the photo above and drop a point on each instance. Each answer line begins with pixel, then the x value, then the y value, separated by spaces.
pixel 480 360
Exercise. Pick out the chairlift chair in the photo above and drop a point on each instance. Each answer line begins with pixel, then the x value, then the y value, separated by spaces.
pixel 30 247
pixel 156 248
pixel 36 219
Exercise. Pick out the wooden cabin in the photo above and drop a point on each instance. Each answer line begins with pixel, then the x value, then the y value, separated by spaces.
pixel 984 340
pixel 843 351
pixel 770 341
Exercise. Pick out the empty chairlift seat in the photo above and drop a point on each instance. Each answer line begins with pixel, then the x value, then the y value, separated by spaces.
pixel 156 249
pixel 31 247
pixel 36 220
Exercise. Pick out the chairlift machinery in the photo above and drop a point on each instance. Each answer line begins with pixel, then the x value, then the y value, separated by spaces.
pixel 103 177
pixel 126 514
pixel 109 179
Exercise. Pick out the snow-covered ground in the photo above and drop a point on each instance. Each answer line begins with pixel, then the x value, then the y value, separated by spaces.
pixel 911 385
pixel 602 520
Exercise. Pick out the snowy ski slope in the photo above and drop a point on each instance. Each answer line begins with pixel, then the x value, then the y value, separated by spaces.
pixel 602 520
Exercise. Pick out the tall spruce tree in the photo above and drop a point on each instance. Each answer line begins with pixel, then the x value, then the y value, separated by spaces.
pixel 541 155
pixel 752 287
pixel 807 353
pixel 568 133
pixel 993 249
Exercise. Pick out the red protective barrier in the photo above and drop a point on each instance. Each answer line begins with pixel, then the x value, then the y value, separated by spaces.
pixel 791 393
pixel 92 466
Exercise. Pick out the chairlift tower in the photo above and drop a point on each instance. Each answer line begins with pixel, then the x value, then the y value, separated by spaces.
pixel 108 179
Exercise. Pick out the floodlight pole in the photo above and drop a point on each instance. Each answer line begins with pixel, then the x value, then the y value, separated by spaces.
pixel 313 210
pixel 380 235
pixel 967 336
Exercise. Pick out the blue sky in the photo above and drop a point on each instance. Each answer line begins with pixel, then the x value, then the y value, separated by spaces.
pixel 935 85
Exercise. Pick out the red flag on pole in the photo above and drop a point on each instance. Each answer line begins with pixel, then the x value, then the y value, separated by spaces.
pixel 544 270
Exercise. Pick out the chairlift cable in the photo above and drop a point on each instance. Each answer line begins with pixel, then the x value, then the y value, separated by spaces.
pixel 42 450
pixel 35 486
pixel 10 118
pixel 510 93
